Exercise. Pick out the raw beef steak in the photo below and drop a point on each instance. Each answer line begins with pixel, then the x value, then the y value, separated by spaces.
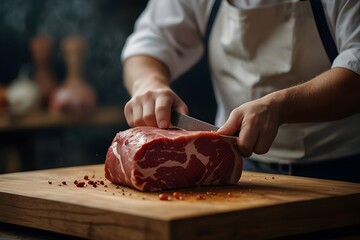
pixel 151 159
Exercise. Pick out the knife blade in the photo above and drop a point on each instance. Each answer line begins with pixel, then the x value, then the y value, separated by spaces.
pixel 189 123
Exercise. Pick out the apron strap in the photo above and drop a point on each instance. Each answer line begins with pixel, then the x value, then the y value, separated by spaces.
pixel 210 24
pixel 323 29
pixel 320 20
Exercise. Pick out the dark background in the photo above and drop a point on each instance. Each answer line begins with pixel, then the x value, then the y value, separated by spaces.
pixel 105 24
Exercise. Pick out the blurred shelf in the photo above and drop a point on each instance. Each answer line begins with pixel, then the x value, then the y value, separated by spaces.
pixel 40 120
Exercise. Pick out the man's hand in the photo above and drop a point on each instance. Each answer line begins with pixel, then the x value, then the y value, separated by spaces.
pixel 152 107
pixel 330 96
pixel 147 81
pixel 258 122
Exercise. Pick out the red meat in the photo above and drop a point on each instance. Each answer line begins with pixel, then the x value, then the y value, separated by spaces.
pixel 151 159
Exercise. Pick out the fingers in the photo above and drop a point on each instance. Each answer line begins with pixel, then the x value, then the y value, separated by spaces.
pixel 247 141
pixel 128 114
pixel 162 111
pixel 137 113
pixel 180 107
pixel 232 125
pixel 258 128
pixel 153 108
pixel 164 104
pixel 265 140
pixel 148 115
pixel 255 137
pixel 247 137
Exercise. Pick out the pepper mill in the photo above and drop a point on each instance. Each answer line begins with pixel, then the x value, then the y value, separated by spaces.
pixel 3 100
pixel 73 48
pixel 74 95
pixel 42 49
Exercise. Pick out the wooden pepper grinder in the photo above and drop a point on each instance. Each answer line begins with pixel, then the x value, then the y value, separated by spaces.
pixel 74 95
pixel 3 100
pixel 73 48
pixel 42 49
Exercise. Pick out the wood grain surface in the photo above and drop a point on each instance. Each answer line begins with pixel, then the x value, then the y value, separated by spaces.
pixel 260 206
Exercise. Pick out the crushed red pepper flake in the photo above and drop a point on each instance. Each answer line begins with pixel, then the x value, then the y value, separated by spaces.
pixel 200 197
pixel 176 195
pixel 164 197
pixel 63 183
pixel 80 184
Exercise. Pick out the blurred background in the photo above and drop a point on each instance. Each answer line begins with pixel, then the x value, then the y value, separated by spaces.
pixel 52 51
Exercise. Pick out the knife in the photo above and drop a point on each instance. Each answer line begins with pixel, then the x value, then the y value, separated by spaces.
pixel 188 123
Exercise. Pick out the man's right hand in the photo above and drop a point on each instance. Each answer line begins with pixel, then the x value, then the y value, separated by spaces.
pixel 146 79
pixel 153 107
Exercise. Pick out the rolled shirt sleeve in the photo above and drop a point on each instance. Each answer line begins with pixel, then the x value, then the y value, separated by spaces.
pixel 170 31
pixel 344 21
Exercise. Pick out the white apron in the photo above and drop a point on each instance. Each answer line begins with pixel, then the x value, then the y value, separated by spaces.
pixel 257 51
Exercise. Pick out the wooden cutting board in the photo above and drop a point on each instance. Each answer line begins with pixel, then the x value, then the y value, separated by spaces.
pixel 260 206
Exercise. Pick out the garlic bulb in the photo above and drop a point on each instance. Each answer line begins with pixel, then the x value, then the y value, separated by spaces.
pixel 23 95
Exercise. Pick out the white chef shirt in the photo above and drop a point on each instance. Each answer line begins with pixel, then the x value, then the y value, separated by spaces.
pixel 172 31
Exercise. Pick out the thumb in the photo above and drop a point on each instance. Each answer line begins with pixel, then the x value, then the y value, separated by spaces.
pixel 231 127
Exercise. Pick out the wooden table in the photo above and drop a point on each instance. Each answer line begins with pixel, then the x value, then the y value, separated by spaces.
pixel 260 206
